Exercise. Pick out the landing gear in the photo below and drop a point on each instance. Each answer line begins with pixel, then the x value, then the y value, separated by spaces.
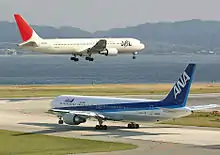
pixel 60 121
pixel 100 126
pixel 133 125
pixel 74 58
pixel 89 58
pixel 134 55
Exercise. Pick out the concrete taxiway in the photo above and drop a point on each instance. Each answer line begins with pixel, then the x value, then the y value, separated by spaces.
pixel 29 115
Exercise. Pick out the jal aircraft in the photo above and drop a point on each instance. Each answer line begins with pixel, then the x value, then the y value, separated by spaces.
pixel 83 47
pixel 74 110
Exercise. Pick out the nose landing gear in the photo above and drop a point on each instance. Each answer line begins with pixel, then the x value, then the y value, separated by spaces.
pixel 134 55
pixel 60 121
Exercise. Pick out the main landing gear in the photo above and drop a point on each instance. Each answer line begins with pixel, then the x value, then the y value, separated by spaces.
pixel 74 59
pixel 89 58
pixel 100 126
pixel 77 59
pixel 133 125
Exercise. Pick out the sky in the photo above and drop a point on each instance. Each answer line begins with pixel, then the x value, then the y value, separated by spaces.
pixel 94 15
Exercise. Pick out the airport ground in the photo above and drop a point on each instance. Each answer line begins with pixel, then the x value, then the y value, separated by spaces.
pixel 30 116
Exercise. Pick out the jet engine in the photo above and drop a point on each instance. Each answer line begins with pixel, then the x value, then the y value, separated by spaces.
pixel 73 119
pixel 109 52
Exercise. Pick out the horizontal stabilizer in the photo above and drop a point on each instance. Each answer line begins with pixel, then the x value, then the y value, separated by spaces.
pixel 169 110
pixel 28 44
pixel 203 107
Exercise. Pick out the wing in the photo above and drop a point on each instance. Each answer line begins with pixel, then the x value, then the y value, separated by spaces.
pixel 80 113
pixel 98 47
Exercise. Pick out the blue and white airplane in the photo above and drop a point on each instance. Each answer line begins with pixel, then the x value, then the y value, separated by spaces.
pixel 74 110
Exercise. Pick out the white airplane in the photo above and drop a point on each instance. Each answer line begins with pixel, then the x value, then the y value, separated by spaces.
pixel 83 47
pixel 74 110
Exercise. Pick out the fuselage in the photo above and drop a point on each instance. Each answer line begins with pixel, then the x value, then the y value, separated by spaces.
pixel 121 109
pixel 78 45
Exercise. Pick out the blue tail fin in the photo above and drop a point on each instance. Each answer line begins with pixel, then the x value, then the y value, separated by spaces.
pixel 178 95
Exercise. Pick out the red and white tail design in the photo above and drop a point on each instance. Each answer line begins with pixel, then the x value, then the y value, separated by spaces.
pixel 26 32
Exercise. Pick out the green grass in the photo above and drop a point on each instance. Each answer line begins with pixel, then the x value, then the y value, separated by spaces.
pixel 100 89
pixel 200 119
pixel 56 92
pixel 16 143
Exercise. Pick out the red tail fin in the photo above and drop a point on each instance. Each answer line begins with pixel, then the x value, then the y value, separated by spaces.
pixel 25 30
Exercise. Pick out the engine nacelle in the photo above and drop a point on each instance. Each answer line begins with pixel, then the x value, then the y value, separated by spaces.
pixel 109 52
pixel 73 119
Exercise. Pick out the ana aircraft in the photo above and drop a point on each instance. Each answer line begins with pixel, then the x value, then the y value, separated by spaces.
pixel 74 110
pixel 83 47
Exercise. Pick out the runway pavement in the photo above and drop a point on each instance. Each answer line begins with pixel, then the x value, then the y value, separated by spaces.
pixel 29 115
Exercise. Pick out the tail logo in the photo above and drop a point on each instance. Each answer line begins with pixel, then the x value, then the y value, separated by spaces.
pixel 181 84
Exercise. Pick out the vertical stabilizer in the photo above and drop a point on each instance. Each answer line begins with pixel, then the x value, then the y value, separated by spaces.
pixel 26 32
pixel 178 95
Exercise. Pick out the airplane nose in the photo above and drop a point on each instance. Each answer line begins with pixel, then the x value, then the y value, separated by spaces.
pixel 142 46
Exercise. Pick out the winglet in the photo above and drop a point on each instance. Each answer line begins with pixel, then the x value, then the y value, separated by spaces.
pixel 178 95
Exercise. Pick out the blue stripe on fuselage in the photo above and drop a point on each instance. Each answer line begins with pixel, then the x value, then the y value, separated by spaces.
pixel 122 106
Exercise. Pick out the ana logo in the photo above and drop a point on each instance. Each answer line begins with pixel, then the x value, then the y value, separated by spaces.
pixel 69 100
pixel 181 84
pixel 126 43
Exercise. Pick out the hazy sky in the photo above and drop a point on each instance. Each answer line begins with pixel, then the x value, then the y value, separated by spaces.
pixel 95 15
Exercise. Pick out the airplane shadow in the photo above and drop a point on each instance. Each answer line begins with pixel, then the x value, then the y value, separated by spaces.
pixel 116 131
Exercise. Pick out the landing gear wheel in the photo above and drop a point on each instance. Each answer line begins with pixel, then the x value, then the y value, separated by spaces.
pixel 89 58
pixel 105 127
pixel 134 55
pixel 133 126
pixel 136 126
pixel 74 59
pixel 97 127
pixel 101 127
pixel 60 121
